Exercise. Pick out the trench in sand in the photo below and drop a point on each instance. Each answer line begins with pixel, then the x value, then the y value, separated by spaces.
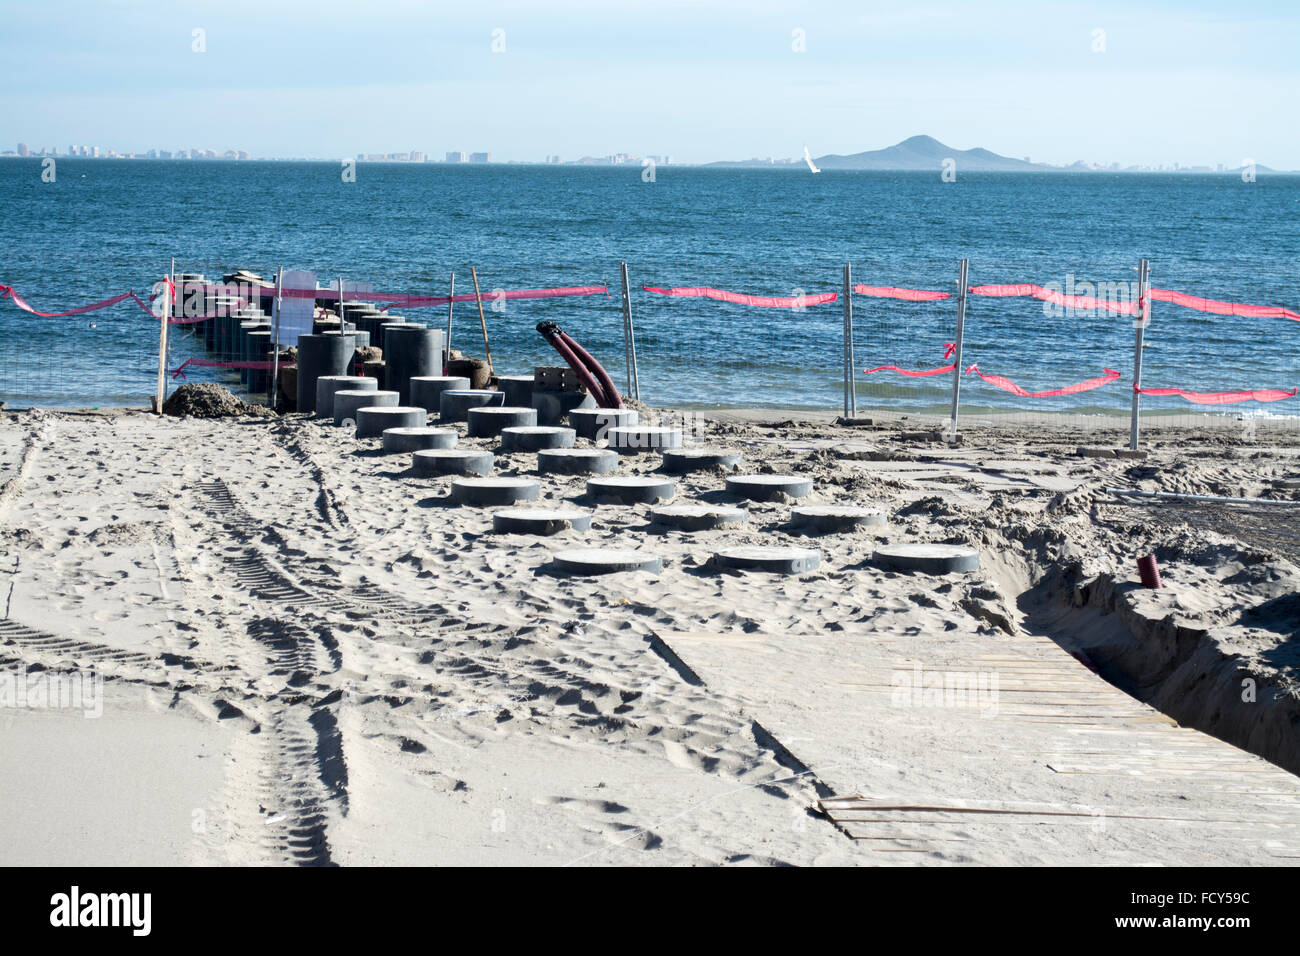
pixel 1138 641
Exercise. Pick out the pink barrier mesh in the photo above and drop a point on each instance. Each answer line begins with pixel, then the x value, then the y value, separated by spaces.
pixel 1009 386
pixel 1223 398
pixel 890 292
pixel 1224 308
pixel 739 298
pixel 1025 289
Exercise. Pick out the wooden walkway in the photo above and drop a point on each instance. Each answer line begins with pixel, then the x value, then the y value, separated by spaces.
pixel 963 748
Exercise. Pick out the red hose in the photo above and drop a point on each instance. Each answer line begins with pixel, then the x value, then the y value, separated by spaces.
pixel 553 335
pixel 612 399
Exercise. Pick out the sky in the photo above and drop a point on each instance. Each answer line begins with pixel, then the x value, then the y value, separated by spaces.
pixel 1134 82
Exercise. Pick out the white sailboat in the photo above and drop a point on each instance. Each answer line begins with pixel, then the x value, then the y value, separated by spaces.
pixel 807 158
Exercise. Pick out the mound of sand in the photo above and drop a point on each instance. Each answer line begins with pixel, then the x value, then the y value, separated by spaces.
pixel 207 400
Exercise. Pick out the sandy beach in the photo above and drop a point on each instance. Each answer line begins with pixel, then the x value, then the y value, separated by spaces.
pixel 292 650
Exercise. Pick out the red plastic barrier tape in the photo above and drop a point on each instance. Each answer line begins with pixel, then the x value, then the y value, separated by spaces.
pixel 419 301
pixel 1222 398
pixel 1085 302
pixel 1224 308
pixel 948 349
pixel 404 299
pixel 766 301
pixel 911 295
pixel 8 291
pixel 393 298
pixel 1009 386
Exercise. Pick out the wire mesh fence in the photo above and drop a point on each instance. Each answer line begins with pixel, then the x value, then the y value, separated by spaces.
pixel 105 357
pixel 700 352
pixel 222 332
pixel 1034 361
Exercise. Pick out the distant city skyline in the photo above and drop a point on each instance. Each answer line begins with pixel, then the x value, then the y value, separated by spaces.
pixel 1148 82
pixel 457 157
pixel 78 151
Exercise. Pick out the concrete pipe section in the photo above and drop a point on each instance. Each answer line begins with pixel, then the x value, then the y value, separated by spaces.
pixel 631 439
pixel 412 352
pixel 488 420
pixel 927 558
pixel 632 489
pixel 696 517
pixel 454 403
pixel 593 423
pixel 374 421
pixel 828 519
pixel 418 438
pixel 587 561
pixel 777 560
pixel 576 461
pixel 681 461
pixel 528 438
pixel 554 405
pixel 327 386
pixel 319 355
pixel 483 492
pixel 518 389
pixel 426 390
pixel 546 521
pixel 437 462
pixel 385 327
pixel 768 487
pixel 259 350
pixel 347 401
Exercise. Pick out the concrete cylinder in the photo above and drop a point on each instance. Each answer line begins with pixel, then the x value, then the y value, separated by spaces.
pixel 454 403
pixel 593 423
pixel 383 334
pixel 328 385
pixel 259 346
pixel 347 401
pixel 367 322
pixel 435 462
pixel 320 355
pixel 242 328
pixel 426 391
pixel 373 421
pixel 487 421
pixel 411 351
pixel 419 439
pixel 631 439
pixel 529 438
pixel 485 492
pixel 554 405
pixel 349 310
pixel 576 461
pixel 518 389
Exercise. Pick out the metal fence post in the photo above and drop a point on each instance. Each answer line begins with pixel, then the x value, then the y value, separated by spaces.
pixel 274 388
pixel 1144 305
pixel 961 334
pixel 451 304
pixel 850 380
pixel 168 289
pixel 629 337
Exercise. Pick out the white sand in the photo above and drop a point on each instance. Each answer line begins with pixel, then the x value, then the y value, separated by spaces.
pixel 311 656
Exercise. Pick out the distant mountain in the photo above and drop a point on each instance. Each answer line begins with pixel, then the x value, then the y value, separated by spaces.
pixel 917 152
pixel 927 153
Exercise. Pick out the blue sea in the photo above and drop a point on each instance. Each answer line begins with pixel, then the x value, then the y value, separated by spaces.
pixel 106 226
